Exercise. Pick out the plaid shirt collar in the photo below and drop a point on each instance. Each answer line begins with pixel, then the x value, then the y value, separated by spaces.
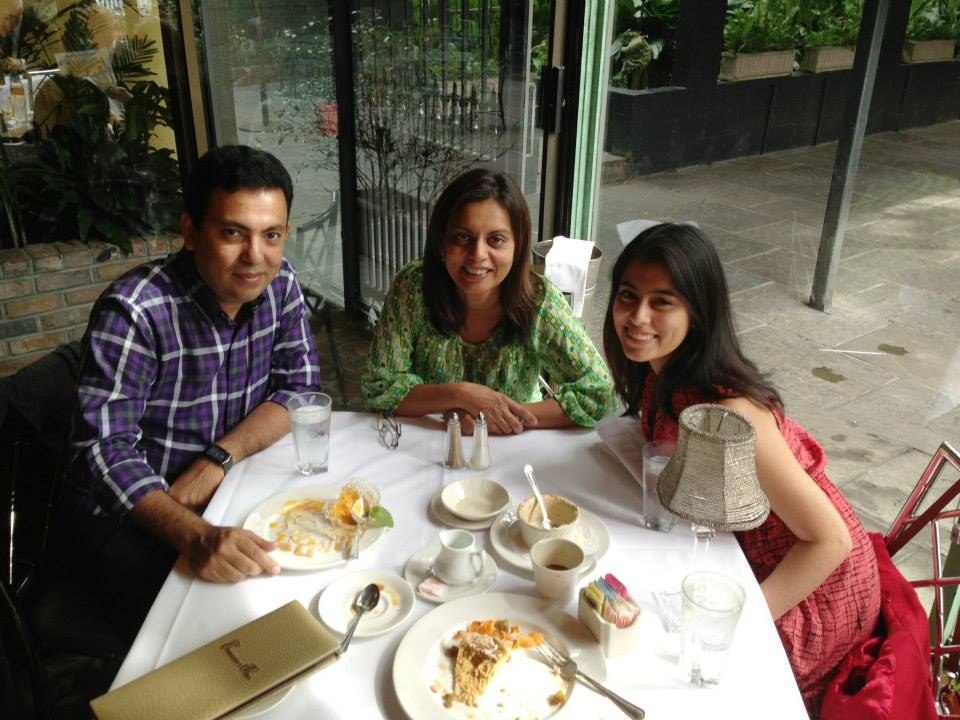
pixel 185 274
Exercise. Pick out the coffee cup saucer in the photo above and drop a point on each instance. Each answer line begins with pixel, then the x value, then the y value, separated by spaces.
pixel 420 567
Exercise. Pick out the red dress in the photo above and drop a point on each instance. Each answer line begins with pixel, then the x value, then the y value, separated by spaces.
pixel 819 632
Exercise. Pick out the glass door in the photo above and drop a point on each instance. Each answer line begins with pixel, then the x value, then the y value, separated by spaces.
pixel 439 86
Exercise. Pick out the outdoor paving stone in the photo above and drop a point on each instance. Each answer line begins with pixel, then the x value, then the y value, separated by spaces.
pixel 850 449
pixel 884 235
pixel 930 359
pixel 780 306
pixel 799 369
pixel 730 218
pixel 733 246
pixel 905 267
pixel 925 310
pixel 796 236
pixel 807 212
pixel 739 280
pixel 796 271
pixel 903 411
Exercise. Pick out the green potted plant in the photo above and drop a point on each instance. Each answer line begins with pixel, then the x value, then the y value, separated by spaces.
pixel 932 31
pixel 828 34
pixel 642 52
pixel 759 38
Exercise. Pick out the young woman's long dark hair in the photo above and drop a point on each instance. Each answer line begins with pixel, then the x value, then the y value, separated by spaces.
pixel 710 354
pixel 444 305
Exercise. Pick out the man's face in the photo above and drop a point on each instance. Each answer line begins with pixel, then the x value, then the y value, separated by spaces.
pixel 239 248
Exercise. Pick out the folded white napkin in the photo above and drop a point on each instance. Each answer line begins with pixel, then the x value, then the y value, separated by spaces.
pixel 566 266
pixel 623 436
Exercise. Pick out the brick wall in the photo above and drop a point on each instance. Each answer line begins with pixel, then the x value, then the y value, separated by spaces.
pixel 47 290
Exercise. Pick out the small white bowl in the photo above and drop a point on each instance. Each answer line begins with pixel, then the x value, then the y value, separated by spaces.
pixel 475 498
pixel 563 514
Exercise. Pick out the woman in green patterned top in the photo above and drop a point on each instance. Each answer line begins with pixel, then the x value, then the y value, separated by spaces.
pixel 470 327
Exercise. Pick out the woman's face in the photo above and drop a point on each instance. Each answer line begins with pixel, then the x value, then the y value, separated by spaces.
pixel 650 317
pixel 478 249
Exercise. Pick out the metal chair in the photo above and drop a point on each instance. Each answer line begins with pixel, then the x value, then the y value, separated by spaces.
pixel 910 521
pixel 314 244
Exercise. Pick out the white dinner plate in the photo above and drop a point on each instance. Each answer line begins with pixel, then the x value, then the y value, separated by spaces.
pixel 268 512
pixel 335 606
pixel 420 566
pixel 423 669
pixel 263 705
pixel 505 537
pixel 448 518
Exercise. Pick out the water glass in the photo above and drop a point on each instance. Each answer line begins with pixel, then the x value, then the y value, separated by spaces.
pixel 710 611
pixel 310 414
pixel 656 455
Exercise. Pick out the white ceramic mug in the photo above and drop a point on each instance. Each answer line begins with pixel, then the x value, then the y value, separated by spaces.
pixel 459 561
pixel 557 565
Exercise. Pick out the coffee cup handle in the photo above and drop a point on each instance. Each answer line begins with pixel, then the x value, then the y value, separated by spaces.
pixel 476 559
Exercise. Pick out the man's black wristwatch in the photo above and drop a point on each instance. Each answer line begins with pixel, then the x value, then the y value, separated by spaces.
pixel 219 456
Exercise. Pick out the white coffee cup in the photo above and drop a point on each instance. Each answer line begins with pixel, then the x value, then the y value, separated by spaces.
pixel 459 561
pixel 557 566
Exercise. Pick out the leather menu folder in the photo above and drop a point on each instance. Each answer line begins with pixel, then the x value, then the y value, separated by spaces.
pixel 235 670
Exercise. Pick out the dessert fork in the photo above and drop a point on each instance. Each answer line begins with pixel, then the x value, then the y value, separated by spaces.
pixel 569 671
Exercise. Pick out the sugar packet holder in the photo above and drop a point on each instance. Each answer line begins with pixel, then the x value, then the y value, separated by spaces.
pixel 613 640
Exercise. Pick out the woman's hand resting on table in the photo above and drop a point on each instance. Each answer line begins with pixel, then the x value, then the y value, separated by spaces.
pixel 504 415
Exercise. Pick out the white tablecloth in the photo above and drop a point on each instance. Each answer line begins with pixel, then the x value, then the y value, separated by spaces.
pixel 189 612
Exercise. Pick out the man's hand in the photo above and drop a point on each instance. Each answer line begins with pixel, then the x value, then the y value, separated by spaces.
pixel 229 554
pixel 194 488
pixel 505 416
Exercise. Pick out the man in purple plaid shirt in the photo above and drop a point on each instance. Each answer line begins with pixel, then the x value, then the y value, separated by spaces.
pixel 188 365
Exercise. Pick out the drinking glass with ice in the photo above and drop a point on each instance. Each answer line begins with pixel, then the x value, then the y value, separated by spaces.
pixel 310 414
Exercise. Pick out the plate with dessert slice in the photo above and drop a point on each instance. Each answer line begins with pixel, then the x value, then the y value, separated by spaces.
pixel 476 658
pixel 313 525
pixel 592 535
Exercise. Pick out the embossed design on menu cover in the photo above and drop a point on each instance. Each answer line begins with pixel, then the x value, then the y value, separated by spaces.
pixel 271 652
pixel 248 669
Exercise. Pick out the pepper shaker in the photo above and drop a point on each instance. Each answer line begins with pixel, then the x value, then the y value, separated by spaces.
pixel 453 458
pixel 480 458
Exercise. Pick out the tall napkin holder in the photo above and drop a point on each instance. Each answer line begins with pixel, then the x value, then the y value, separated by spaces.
pixel 225 675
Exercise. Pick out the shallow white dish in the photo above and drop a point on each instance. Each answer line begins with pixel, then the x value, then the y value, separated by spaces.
pixel 335 606
pixel 419 667
pixel 419 567
pixel 268 512
pixel 593 536
pixel 441 514
pixel 475 498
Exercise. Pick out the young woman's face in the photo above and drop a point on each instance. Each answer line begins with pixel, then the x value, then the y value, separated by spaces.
pixel 650 316
pixel 478 249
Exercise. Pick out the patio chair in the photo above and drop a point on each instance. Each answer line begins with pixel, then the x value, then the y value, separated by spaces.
pixel 910 521
pixel 314 245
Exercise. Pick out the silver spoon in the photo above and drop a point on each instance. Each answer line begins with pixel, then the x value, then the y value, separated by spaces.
pixel 528 471
pixel 367 600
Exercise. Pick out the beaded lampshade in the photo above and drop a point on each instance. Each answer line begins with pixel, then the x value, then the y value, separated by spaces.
pixel 711 479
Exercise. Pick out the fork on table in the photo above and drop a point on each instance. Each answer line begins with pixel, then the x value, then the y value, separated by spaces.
pixel 569 671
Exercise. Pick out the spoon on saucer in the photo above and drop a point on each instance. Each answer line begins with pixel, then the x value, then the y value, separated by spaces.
pixel 528 471
pixel 367 600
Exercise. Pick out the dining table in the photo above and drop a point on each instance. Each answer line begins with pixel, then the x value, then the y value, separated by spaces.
pixel 576 463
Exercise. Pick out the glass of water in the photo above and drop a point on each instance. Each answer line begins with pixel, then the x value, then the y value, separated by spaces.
pixel 310 422
pixel 656 455
pixel 710 611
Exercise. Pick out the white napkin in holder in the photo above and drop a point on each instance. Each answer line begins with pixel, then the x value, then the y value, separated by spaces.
pixel 566 266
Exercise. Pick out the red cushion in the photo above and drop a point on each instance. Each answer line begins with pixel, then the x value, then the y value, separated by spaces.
pixel 887 677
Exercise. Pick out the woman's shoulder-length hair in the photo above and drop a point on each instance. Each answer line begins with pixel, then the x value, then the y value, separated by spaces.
pixel 519 292
pixel 709 356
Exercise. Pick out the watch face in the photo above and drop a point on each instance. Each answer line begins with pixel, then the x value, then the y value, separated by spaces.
pixel 217 454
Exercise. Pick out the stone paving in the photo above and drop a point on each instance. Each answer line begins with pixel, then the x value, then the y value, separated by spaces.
pixel 877 379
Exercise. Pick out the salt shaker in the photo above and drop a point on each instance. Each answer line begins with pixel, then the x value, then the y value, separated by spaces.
pixel 480 458
pixel 454 455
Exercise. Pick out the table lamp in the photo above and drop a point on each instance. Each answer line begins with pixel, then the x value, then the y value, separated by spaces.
pixel 711 479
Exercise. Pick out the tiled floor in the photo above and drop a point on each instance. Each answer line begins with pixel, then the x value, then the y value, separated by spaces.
pixel 877 379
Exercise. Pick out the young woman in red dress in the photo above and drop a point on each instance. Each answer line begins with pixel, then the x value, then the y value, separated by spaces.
pixel 670 342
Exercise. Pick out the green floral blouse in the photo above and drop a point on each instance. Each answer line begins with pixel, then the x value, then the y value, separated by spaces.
pixel 407 350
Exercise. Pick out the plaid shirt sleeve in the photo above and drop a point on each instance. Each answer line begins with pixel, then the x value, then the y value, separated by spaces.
pixel 119 367
pixel 295 365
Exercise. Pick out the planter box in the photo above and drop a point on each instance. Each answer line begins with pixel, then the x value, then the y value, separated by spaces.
pixel 921 51
pixel 826 59
pixel 747 66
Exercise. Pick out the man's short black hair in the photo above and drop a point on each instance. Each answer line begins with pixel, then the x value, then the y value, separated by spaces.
pixel 232 168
